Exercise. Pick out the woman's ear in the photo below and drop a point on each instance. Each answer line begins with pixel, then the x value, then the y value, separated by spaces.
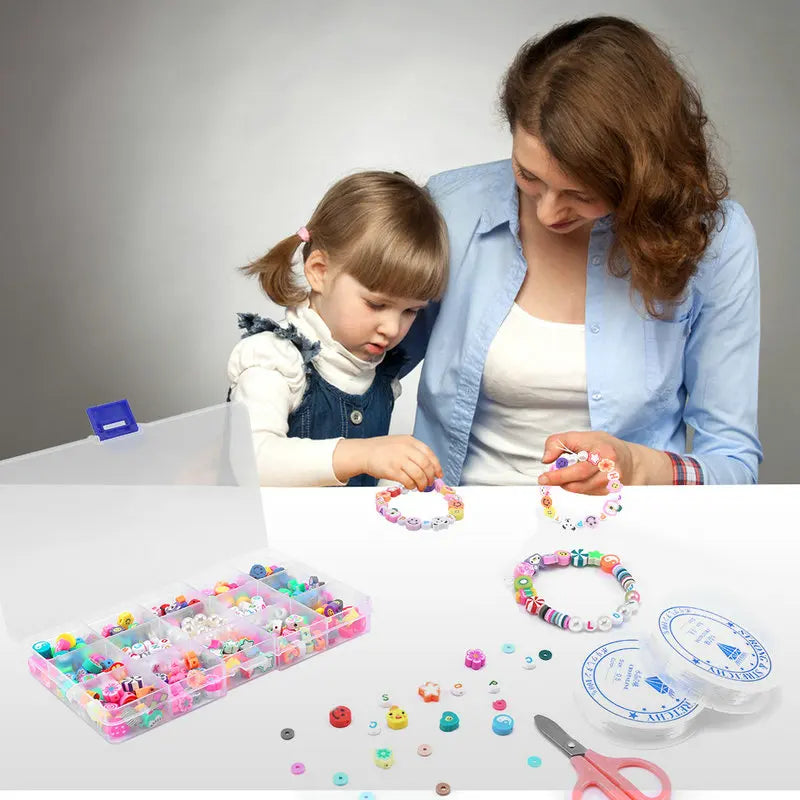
pixel 317 270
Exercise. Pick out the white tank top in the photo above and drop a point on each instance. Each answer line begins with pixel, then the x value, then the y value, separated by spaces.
pixel 534 384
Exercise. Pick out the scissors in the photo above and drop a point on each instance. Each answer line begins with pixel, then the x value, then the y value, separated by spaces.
pixel 601 771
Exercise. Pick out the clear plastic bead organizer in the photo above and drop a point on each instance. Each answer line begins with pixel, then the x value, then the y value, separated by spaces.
pixel 205 608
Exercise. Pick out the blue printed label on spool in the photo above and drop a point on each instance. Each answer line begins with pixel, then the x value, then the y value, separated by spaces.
pixel 714 644
pixel 615 680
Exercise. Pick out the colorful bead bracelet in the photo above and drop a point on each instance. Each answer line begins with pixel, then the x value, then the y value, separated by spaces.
pixel 612 505
pixel 455 507
pixel 527 596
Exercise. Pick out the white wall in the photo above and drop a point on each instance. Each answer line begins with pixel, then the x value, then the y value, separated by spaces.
pixel 149 148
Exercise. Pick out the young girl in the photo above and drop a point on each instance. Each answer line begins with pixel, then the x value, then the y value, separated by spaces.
pixel 320 387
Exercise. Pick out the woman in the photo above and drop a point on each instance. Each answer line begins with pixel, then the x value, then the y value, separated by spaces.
pixel 603 293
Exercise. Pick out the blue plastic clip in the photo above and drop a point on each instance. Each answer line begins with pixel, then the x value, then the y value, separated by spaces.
pixel 112 419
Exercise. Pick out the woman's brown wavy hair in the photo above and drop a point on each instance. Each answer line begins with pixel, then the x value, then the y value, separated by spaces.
pixel 611 106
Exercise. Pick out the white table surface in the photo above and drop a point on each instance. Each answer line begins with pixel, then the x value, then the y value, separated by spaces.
pixel 434 596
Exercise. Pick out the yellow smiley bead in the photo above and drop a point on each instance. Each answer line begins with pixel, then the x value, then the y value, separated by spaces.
pixel 125 619
pixel 456 513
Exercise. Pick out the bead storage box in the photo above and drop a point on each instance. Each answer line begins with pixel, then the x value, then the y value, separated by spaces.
pixel 160 555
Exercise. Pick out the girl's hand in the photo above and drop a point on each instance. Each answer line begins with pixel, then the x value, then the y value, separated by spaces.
pixel 399 458
pixel 635 463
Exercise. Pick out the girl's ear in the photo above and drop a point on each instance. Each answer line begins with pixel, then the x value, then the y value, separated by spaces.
pixel 317 270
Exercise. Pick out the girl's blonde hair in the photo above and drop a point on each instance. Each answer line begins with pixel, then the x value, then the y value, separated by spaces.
pixel 379 227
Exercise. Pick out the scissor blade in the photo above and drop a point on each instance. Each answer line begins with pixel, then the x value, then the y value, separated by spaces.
pixel 558 736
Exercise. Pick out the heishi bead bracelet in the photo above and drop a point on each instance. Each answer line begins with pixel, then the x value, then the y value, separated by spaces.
pixel 527 596
pixel 455 507
pixel 612 505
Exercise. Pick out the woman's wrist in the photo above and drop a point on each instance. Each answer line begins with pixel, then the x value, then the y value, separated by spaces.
pixel 650 467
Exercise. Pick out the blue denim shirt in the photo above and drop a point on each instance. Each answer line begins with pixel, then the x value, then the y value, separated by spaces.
pixel 646 378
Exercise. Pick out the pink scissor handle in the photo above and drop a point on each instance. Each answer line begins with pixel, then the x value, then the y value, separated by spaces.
pixel 605 773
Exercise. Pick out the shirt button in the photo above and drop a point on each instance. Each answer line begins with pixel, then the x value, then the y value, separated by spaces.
pixel 597 396
pixel 595 260
pixel 356 417
pixel 595 328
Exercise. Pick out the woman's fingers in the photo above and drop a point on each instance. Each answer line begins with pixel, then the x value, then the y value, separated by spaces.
pixel 581 471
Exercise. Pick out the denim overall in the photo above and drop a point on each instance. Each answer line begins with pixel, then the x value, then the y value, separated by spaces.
pixel 326 412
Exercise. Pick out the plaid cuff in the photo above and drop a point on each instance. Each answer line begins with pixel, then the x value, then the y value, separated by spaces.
pixel 686 471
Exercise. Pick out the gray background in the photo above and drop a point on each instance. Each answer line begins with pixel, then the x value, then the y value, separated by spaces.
pixel 150 148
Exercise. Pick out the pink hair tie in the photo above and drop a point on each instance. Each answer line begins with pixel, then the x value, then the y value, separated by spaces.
pixel 304 234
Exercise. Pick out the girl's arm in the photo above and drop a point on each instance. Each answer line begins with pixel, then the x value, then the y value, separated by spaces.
pixel 266 374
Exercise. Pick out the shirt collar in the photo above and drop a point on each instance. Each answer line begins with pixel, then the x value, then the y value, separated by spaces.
pixel 502 206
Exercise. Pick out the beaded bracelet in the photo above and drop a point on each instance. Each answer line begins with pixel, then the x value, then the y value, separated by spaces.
pixel 455 507
pixel 612 505
pixel 534 604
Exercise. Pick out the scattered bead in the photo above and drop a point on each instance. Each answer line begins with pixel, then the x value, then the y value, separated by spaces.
pixel 457 689
pixel 287 733
pixel 529 662
pixel 508 648
pixel 429 692
pixel 502 724
pixel 475 659
pixel 449 721
pixel 534 761
pixel 396 718
pixel 340 717
pixel 494 687
pixel 424 750
pixel 298 768
pixel 384 757
pixel 545 655
pixel 340 779
pixel 442 789
pixel 499 705
pixel 384 701
pixel 373 728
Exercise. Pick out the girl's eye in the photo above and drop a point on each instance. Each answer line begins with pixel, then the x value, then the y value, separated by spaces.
pixel 585 199
pixel 412 311
pixel 375 306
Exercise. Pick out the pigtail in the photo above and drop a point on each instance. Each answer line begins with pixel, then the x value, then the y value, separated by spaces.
pixel 274 272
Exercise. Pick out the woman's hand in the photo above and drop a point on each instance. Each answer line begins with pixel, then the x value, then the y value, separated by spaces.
pixel 399 458
pixel 635 463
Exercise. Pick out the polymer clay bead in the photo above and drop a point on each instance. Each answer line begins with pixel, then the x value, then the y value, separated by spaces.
pixel 384 758
pixel 580 558
pixel 449 721
pixel 503 724
pixel 457 689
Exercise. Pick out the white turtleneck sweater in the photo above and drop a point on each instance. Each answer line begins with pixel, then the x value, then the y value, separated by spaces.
pixel 266 373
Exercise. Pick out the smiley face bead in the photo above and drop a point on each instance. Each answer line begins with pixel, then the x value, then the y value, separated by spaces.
pixel 396 718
